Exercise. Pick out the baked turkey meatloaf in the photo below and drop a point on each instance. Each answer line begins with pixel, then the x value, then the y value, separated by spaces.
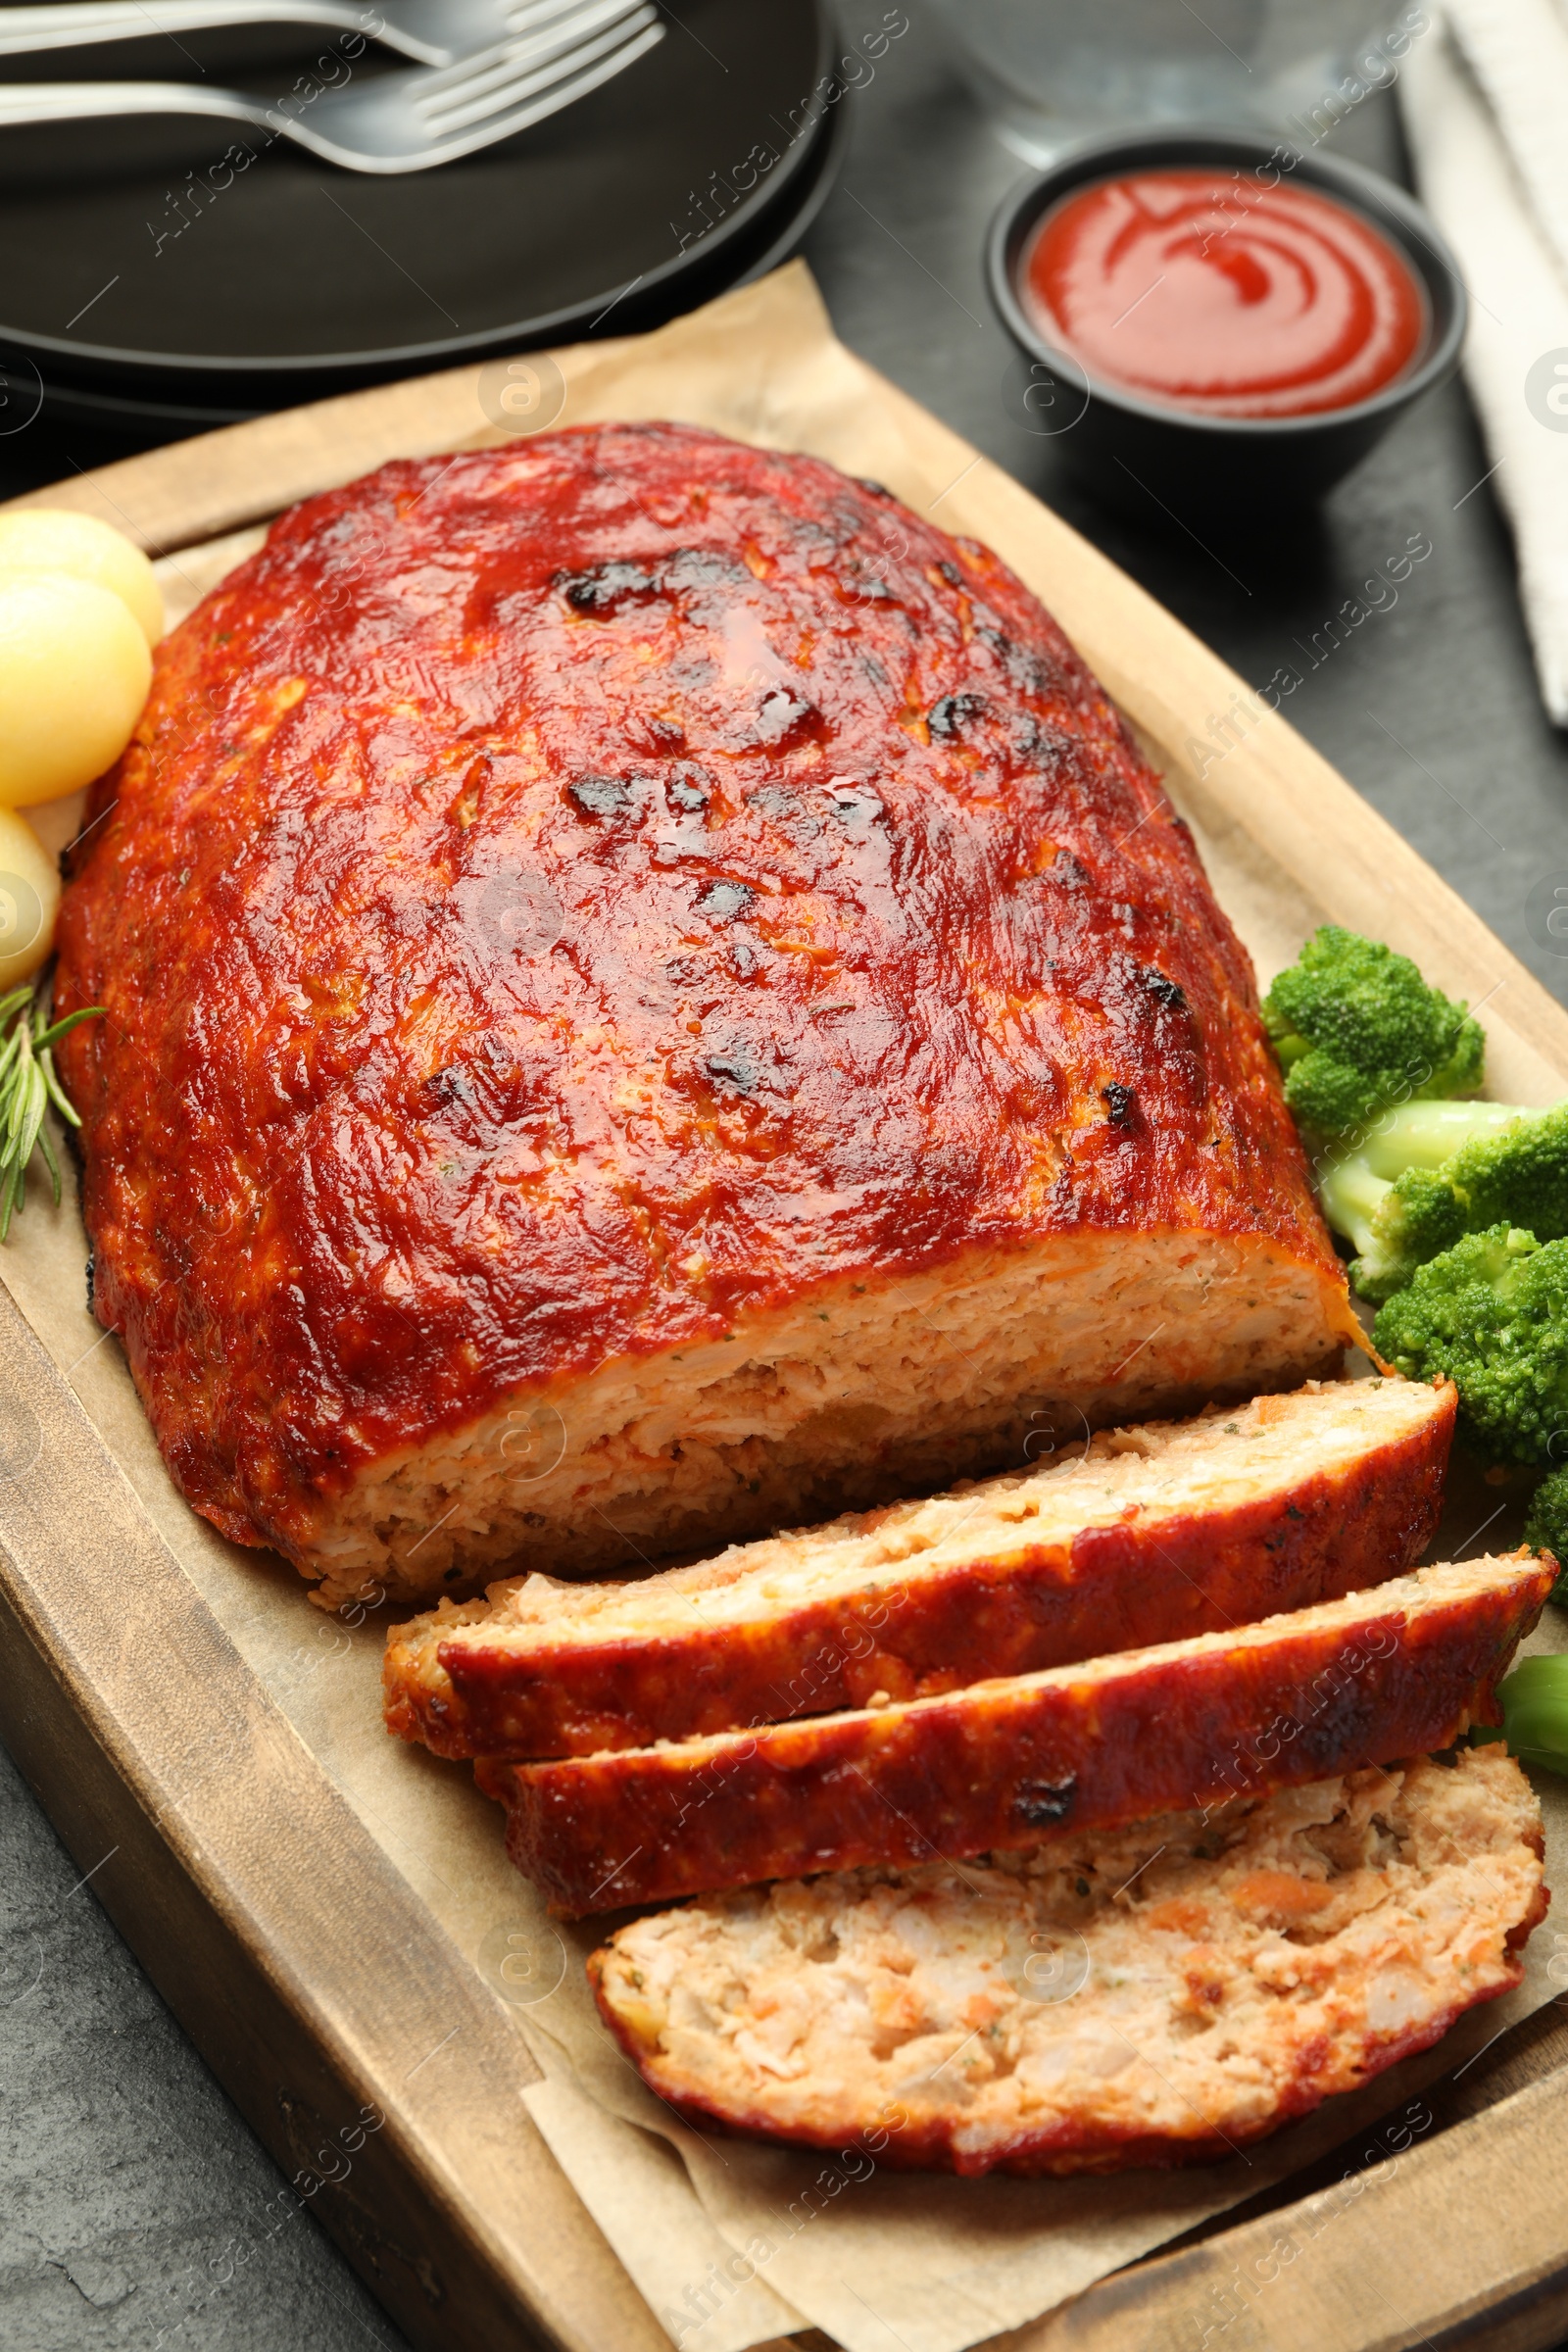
pixel 1169 1992
pixel 1144 1534
pixel 1399 1671
pixel 651 996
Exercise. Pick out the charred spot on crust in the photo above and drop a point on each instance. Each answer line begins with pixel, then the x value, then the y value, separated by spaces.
pixel 1026 667
pixel 601 796
pixel 449 1086
pixel 953 713
pixel 1121 1102
pixel 1164 990
pixel 876 489
pixel 782 714
pixel 92 1272
pixel 686 787
pixel 855 804
pixel 738 1067
pixel 723 902
pixel 606 586
pixel 951 573
pixel 1042 1802
pixel 701 568
pixel 1065 868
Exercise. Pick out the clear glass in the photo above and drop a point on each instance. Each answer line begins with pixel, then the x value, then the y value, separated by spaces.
pixel 1053 71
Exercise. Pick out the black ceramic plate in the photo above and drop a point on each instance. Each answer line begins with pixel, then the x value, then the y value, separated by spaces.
pixel 143 262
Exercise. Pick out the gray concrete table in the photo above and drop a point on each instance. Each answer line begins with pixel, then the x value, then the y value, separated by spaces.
pixel 128 2185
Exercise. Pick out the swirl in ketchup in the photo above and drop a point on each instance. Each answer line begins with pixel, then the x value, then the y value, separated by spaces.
pixel 1224 296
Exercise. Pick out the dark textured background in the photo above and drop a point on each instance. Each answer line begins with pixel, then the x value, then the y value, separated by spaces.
pixel 127 2182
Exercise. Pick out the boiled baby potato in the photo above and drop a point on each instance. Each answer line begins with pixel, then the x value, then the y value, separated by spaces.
pixel 54 539
pixel 29 896
pixel 75 671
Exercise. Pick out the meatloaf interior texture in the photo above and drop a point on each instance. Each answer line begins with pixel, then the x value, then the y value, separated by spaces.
pixel 1399 1671
pixel 1169 1992
pixel 651 996
pixel 1140 1535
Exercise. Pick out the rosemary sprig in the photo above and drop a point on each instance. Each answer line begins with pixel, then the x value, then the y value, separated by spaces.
pixel 27 1087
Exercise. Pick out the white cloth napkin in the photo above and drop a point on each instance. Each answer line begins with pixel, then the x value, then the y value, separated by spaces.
pixel 1485 96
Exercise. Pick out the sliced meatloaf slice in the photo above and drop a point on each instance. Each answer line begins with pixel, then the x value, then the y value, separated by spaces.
pixel 1142 1535
pixel 1165 1993
pixel 1394 1672
pixel 651 998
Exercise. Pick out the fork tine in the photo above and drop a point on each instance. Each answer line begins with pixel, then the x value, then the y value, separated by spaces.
pixel 523 16
pixel 548 92
pixel 510 80
pixel 567 23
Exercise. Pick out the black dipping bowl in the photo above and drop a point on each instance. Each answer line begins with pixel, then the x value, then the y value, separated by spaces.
pixel 1117 439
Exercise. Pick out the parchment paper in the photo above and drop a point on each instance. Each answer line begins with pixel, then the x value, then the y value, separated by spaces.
pixel 731 2242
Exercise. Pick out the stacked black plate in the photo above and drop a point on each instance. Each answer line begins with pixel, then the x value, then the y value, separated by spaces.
pixel 168 271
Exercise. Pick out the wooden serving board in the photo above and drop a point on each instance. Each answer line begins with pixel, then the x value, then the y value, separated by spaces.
pixel 316 1984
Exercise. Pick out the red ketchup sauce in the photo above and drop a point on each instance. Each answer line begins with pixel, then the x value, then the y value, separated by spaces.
pixel 1222 295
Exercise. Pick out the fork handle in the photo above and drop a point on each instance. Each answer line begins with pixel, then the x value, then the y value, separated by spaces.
pixel 70 101
pixel 28 29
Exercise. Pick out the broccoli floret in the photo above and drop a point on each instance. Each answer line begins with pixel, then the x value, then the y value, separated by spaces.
pixel 1546 1528
pixel 1430 1172
pixel 1491 1314
pixel 1421 1217
pixel 1357 1030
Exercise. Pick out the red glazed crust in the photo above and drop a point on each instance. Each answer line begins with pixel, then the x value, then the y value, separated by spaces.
pixel 1182 1529
pixel 1396 1672
pixel 626 894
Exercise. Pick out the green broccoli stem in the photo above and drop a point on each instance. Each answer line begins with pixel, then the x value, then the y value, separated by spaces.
pixel 1416 1134
pixel 1535 1712
pixel 1352 1196
pixel 1425 1134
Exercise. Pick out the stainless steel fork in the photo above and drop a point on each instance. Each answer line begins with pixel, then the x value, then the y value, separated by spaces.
pixel 434 32
pixel 394 121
